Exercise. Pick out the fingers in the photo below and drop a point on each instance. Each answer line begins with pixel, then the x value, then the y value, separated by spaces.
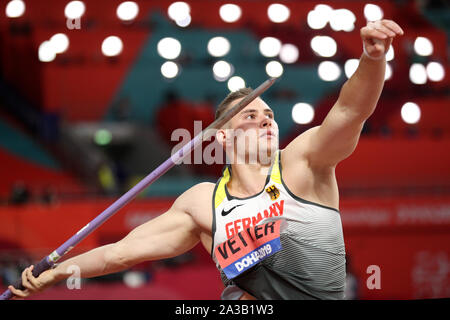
pixel 25 281
pixel 387 27
pixel 18 294
pixel 32 280
pixel 393 26
pixel 381 29
pixel 29 281
pixel 370 32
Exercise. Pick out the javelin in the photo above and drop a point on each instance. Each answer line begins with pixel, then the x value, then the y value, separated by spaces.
pixel 48 261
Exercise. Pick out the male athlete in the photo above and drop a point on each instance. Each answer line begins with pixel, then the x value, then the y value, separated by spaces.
pixel 275 231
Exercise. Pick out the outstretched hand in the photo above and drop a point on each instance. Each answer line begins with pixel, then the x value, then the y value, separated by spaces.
pixel 32 285
pixel 377 36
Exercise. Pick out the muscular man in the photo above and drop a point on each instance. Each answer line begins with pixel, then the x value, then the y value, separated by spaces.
pixel 275 230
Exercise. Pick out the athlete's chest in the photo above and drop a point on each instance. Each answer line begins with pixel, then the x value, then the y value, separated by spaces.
pixel 235 215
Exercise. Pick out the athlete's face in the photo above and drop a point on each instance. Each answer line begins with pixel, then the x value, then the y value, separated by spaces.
pixel 254 129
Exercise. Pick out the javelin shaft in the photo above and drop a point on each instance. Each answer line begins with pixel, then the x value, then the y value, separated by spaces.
pixel 48 261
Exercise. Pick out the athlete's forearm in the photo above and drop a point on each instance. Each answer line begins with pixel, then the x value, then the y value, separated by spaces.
pixel 96 262
pixel 361 92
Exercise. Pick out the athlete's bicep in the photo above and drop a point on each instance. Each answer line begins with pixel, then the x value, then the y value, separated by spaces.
pixel 331 142
pixel 168 235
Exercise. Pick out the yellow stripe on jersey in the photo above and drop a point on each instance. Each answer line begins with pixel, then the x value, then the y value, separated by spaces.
pixel 276 174
pixel 220 192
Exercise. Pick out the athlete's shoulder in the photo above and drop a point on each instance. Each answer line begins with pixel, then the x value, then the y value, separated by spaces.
pixel 196 201
pixel 203 187
pixel 301 141
pixel 198 193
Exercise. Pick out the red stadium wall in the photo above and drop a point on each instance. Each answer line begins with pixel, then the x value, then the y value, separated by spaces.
pixel 383 164
pixel 407 238
pixel 36 177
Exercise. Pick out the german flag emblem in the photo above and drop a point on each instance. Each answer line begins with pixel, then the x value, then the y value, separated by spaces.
pixel 273 192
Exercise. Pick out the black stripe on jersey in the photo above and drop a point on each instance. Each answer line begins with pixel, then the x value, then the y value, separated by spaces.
pixel 213 228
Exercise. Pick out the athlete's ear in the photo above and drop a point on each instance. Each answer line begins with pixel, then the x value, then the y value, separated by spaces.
pixel 221 136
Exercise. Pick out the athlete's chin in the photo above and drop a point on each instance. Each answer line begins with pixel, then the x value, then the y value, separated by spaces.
pixel 270 147
pixel 266 154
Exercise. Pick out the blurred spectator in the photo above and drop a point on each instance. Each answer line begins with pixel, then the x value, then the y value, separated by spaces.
pixel 121 109
pixel 177 113
pixel 170 115
pixel 19 193
pixel 107 180
pixel 48 195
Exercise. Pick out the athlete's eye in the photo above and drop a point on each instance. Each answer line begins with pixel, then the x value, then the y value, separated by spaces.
pixel 250 117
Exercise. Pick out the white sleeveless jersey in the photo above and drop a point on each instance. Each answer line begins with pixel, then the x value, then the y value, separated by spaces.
pixel 311 261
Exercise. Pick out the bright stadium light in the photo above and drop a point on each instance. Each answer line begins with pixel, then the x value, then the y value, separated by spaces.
pixel 388 72
pixel 278 13
pixel 179 11
pixel 127 11
pixel 169 48
pixel 324 9
pixel 350 67
pixel 390 54
pixel 423 46
pixel 324 46
pixel 15 9
pixel 59 42
pixel 218 46
pixel 270 47
pixel 74 9
pixel 230 12
pixel 418 73
pixel 222 70
pixel 329 71
pixel 342 20
pixel 302 113
pixel 112 46
pixel 274 69
pixel 46 52
pixel 372 12
pixel 410 113
pixel 134 279
pixel 169 69
pixel 315 20
pixel 288 53
pixel 185 22
pixel 319 17
pixel 435 71
pixel 235 83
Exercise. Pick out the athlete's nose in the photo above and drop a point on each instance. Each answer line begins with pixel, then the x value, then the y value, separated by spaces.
pixel 266 123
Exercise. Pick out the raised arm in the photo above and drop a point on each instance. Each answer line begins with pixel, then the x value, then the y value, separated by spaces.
pixel 336 138
pixel 168 235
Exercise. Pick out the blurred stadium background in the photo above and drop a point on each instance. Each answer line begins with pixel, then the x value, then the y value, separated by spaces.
pixel 90 92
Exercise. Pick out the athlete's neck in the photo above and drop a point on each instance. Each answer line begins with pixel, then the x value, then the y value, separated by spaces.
pixel 248 179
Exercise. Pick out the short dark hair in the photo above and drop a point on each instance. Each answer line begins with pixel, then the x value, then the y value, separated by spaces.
pixel 241 93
